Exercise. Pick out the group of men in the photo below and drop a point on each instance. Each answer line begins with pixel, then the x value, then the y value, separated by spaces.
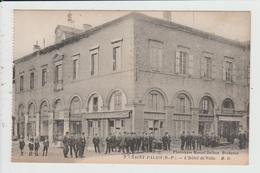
pixel 74 144
pixel 190 141
pixel 34 146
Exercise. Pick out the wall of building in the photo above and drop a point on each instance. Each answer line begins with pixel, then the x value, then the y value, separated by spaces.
pixel 170 83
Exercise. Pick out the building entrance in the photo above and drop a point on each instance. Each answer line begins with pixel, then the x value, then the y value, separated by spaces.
pixel 228 130
pixel 116 125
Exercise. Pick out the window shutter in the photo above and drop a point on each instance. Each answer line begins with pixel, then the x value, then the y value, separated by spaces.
pixel 234 72
pixel 224 71
pixel 190 64
pixel 177 62
pixel 213 69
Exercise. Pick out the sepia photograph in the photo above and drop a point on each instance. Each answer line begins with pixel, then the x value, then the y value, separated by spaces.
pixel 133 87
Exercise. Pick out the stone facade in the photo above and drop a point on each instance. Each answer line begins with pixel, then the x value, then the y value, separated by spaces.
pixel 130 78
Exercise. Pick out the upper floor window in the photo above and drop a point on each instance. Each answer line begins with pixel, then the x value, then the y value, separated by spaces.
pixel 58 73
pixel 229 70
pixel 184 62
pixel 44 76
pixel 156 54
pixel 155 101
pixel 206 67
pixel 21 83
pixel 75 69
pixel 94 64
pixel 32 80
pixel 117 100
pixel 117 55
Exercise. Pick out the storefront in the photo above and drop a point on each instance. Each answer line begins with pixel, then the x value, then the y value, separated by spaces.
pixel 228 127
pixel 154 122
pixel 104 123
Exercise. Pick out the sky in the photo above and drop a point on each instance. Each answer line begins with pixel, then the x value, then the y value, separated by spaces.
pixel 32 26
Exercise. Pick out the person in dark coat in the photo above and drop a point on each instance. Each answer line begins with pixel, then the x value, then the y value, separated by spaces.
pixel 132 142
pixel 150 142
pixel 21 145
pixel 96 142
pixel 31 147
pixel 138 142
pixel 127 142
pixel 82 141
pixel 108 144
pixel 66 144
pixel 193 140
pixel 199 141
pixel 36 146
pixel 183 140
pixel 72 146
pixel 166 140
pixel 118 141
pixel 45 146
pixel 145 142
pixel 122 143
pixel 188 141
pixel 77 146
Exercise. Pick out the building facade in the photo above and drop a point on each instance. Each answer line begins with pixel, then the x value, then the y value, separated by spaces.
pixel 135 73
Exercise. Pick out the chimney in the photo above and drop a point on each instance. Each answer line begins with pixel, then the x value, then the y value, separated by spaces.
pixel 36 47
pixel 167 15
pixel 86 27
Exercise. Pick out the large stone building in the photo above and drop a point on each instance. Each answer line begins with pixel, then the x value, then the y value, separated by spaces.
pixel 135 73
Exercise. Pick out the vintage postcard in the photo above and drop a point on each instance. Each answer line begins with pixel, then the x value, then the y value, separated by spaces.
pixel 142 87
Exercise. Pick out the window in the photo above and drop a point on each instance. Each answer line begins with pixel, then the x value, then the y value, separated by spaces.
pixel 228 106
pixel 205 105
pixel 207 69
pixel 116 55
pixel 58 73
pixel 94 64
pixel 95 104
pixel 118 101
pixel 75 68
pixel 32 80
pixel 21 83
pixel 154 101
pixel 183 62
pixel 156 55
pixel 182 105
pixel 228 70
pixel 44 77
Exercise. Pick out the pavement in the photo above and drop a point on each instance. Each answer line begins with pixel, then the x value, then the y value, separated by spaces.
pixel 55 155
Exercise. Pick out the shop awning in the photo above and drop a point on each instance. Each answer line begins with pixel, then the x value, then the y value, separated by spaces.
pixel 230 118
pixel 108 115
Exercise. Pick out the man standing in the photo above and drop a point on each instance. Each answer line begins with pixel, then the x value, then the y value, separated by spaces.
pixel 82 144
pixel 72 146
pixel 66 144
pixel 145 142
pixel 199 141
pixel 36 146
pixel 108 144
pixel 150 142
pixel 45 146
pixel 193 140
pixel 96 141
pixel 188 141
pixel 21 145
pixel 183 140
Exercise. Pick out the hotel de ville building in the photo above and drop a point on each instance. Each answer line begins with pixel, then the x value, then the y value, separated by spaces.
pixel 135 73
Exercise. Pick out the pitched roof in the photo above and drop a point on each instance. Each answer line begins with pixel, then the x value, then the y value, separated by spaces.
pixel 137 16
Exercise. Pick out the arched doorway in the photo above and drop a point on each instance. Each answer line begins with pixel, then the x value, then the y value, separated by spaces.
pixel 31 125
pixel 44 117
pixel 58 121
pixel 206 116
pixel 154 113
pixel 75 115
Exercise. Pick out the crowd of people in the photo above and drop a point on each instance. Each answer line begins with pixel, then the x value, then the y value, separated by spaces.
pixel 74 145
pixel 34 146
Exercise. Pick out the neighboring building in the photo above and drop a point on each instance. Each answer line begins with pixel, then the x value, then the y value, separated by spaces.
pixel 135 73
